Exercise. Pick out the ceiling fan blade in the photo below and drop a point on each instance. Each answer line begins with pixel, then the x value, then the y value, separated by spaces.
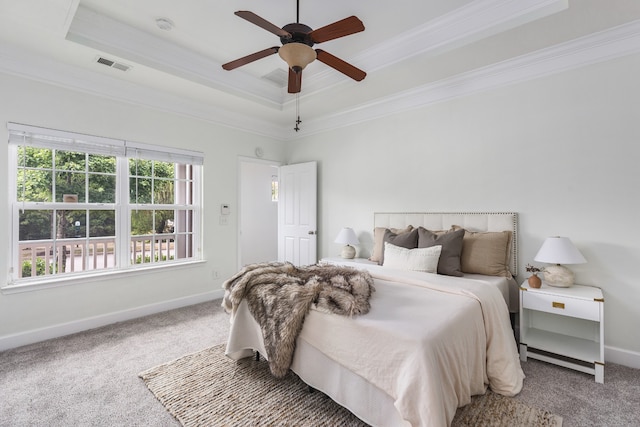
pixel 250 58
pixel 263 23
pixel 336 30
pixel 337 63
pixel 295 81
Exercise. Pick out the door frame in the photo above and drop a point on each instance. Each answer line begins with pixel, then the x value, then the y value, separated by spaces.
pixel 244 159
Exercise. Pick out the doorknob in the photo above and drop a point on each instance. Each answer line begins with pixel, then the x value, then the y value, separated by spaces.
pixel 312 232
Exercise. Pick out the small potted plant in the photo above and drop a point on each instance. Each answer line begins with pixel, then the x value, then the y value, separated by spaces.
pixel 534 280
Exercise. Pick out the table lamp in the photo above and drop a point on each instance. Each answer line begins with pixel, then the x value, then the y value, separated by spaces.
pixel 347 237
pixel 559 250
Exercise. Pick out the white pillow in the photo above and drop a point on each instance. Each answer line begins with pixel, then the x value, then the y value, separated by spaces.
pixel 420 259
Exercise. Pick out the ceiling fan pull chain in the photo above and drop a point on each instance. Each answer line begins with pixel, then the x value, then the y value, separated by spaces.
pixel 298 121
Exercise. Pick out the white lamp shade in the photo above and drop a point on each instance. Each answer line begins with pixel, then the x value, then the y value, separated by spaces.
pixel 347 237
pixel 559 250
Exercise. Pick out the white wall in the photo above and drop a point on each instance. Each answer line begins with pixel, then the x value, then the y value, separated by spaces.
pixel 38 314
pixel 258 213
pixel 563 151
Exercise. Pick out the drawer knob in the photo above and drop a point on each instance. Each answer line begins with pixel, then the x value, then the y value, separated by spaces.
pixel 555 304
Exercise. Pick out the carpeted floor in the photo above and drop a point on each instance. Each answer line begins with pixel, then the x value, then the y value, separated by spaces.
pixel 207 388
pixel 91 378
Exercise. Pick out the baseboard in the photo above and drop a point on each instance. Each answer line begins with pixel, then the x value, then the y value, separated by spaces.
pixel 622 357
pixel 612 354
pixel 59 330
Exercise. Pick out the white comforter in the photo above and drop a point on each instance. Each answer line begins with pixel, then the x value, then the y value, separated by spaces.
pixel 430 342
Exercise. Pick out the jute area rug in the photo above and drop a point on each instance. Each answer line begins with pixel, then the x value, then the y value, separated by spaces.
pixel 208 389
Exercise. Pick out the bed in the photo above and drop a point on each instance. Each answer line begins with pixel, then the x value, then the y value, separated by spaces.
pixel 429 341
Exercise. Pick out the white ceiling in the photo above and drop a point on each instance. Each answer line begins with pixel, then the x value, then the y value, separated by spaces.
pixel 414 52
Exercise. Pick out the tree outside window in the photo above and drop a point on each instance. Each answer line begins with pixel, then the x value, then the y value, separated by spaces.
pixel 71 218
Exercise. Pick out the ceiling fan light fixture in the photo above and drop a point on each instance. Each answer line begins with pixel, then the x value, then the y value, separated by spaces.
pixel 297 55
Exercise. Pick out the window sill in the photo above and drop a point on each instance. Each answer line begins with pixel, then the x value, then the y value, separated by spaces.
pixel 40 284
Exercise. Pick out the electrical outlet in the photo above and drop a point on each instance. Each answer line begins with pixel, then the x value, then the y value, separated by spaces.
pixel 215 274
pixel 224 220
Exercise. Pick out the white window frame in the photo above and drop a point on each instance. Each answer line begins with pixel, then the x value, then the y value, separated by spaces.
pixel 123 150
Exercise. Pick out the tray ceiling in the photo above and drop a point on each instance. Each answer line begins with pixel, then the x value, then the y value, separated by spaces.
pixel 414 53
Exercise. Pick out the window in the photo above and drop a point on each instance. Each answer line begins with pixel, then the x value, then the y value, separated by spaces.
pixel 274 188
pixel 85 205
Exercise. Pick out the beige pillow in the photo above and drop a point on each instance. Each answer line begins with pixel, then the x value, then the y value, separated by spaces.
pixel 485 252
pixel 378 241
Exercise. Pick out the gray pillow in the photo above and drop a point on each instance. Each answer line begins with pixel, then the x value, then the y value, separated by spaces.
pixel 451 241
pixel 378 241
pixel 404 240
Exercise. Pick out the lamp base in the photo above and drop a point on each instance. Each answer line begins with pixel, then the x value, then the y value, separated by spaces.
pixel 348 252
pixel 558 276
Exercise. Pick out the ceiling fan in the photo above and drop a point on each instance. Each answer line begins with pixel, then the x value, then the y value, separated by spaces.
pixel 297 40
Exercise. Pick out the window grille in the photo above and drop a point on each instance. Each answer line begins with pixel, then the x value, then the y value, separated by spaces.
pixel 87 205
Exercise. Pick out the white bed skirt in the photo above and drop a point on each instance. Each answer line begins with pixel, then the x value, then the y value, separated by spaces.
pixel 366 401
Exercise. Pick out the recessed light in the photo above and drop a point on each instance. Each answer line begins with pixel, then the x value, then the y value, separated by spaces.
pixel 164 24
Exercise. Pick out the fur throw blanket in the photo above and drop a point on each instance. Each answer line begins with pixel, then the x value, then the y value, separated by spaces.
pixel 279 295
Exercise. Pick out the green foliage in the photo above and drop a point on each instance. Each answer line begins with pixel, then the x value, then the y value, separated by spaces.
pixel 43 172
pixel 150 168
pixel 35 225
pixel 73 171
pixel 103 223
pixel 34 157
pixel 151 181
pixel 141 222
pixel 34 185
pixel 40 267
pixel 147 259
pixel 151 221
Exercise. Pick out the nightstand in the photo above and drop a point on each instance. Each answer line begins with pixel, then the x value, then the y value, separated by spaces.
pixel 564 326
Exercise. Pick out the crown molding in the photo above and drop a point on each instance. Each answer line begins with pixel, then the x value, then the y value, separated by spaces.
pixel 598 47
pixel 17 62
pixel 457 28
pixel 100 32
pixel 478 19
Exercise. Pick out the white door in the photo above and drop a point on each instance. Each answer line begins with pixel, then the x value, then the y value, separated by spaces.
pixel 297 233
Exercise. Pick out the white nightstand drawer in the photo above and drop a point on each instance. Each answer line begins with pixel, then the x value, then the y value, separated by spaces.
pixel 573 307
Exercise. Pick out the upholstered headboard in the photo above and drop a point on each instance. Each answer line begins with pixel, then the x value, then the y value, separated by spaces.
pixel 472 221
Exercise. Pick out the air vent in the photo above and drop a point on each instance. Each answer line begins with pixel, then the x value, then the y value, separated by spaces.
pixel 121 67
pixel 113 64
pixel 105 61
pixel 279 77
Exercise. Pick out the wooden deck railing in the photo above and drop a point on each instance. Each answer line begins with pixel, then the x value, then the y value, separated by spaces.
pixel 47 257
